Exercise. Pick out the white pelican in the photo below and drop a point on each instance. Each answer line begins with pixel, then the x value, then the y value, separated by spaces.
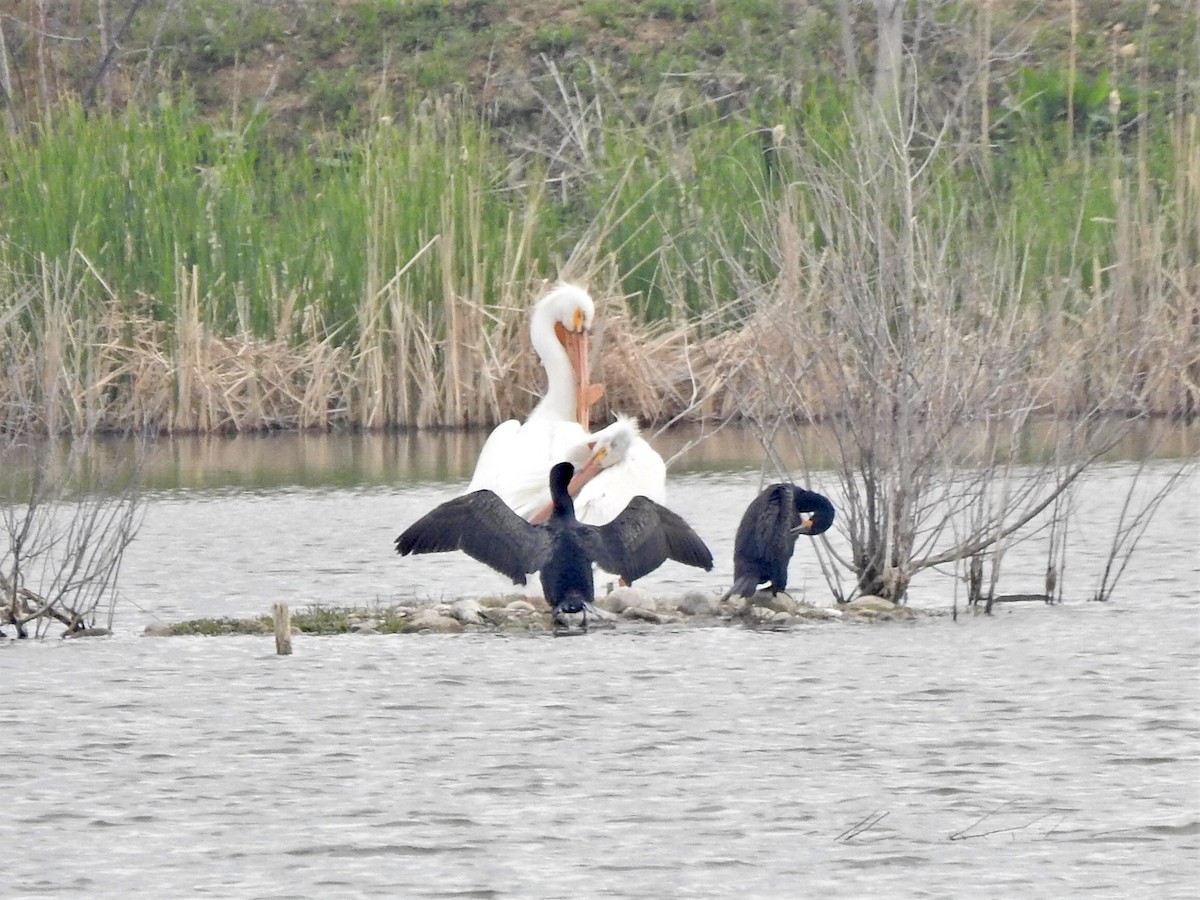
pixel 615 465
pixel 516 456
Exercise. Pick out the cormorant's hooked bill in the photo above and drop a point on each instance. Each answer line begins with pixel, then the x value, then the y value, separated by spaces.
pixel 766 536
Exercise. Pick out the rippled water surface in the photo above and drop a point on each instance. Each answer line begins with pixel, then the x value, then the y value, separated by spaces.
pixel 1043 752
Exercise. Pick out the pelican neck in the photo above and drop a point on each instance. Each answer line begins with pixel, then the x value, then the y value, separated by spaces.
pixel 559 400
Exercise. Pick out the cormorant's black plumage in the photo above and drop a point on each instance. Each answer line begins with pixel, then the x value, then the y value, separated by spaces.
pixel 562 549
pixel 767 535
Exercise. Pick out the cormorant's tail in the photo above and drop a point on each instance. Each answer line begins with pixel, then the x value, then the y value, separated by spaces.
pixel 743 586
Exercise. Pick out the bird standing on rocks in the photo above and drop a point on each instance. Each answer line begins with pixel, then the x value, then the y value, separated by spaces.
pixel 766 536
pixel 635 543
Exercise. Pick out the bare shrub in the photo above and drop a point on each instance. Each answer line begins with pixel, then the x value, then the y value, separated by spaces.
pixel 900 321
pixel 65 521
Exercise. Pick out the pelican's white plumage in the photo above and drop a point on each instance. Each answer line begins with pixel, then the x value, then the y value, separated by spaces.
pixel 626 466
pixel 517 455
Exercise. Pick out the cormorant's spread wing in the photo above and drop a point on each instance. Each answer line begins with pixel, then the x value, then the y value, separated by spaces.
pixel 641 538
pixel 481 525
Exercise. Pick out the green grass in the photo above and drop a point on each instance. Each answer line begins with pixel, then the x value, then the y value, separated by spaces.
pixel 220 627
pixel 309 620
pixel 145 196
pixel 655 162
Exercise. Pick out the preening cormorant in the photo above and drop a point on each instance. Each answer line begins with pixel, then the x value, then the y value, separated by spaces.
pixel 766 536
pixel 562 549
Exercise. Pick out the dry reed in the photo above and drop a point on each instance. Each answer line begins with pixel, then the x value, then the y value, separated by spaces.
pixel 132 374
pixel 78 358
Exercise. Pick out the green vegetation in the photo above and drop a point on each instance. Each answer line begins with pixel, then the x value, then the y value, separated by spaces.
pixel 219 627
pixel 388 178
pixel 310 620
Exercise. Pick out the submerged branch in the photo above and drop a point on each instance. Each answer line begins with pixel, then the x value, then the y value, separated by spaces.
pixel 862 826
pixel 978 543
pixel 966 834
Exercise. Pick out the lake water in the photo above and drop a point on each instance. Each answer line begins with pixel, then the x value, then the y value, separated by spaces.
pixel 1041 752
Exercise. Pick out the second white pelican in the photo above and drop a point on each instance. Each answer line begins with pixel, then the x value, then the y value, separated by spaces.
pixel 614 465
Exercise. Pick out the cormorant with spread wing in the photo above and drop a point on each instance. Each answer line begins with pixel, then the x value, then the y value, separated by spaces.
pixel 767 535
pixel 562 549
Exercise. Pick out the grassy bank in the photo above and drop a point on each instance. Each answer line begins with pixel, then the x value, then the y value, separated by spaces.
pixel 177 266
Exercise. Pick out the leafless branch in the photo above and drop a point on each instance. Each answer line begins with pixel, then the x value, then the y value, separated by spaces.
pixel 967 833
pixel 65 528
pixel 862 826
pixel 89 92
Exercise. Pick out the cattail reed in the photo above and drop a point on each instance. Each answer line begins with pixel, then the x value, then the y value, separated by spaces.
pixel 162 276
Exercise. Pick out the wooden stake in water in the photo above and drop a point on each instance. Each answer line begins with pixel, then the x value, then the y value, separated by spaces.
pixel 283 628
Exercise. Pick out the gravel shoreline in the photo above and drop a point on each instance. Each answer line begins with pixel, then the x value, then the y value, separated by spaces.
pixel 628 606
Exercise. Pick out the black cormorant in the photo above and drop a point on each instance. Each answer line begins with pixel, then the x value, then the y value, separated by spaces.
pixel 562 549
pixel 767 535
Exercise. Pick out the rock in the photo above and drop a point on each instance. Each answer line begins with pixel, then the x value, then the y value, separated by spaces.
pixel 432 620
pixel 518 613
pixel 158 631
pixel 366 626
pixel 539 604
pixel 87 632
pixel 758 615
pixel 817 613
pixel 734 606
pixel 496 602
pixel 623 598
pixel 492 615
pixel 697 604
pixel 520 606
pixel 641 614
pixel 860 615
pixel 468 611
pixel 871 603
pixel 780 602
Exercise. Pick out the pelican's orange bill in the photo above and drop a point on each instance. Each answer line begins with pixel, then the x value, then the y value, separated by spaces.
pixel 575 342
